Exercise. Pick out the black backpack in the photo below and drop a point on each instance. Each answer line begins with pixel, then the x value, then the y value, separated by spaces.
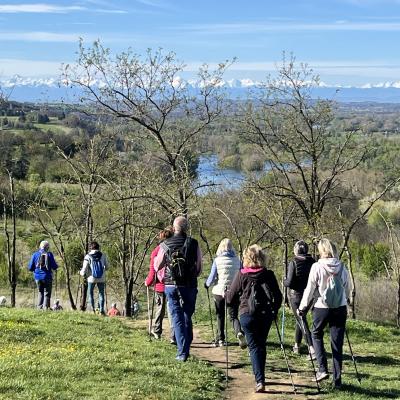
pixel 181 270
pixel 261 300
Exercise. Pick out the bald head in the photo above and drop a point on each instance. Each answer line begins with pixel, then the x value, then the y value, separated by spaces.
pixel 180 224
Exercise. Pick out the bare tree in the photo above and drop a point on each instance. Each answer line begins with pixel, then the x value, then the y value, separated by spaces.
pixel 148 92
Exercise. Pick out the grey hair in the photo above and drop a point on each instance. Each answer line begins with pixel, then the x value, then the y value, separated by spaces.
pixel 180 224
pixel 44 244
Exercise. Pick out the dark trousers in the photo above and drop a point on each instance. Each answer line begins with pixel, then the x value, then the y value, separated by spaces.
pixel 219 302
pixel 256 329
pixel 44 295
pixel 336 318
pixel 160 302
pixel 294 300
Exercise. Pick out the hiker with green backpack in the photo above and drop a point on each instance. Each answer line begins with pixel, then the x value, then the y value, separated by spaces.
pixel 328 278
pixel 94 267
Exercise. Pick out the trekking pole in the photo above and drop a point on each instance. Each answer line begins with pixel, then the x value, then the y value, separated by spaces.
pixel 34 295
pixel 352 356
pixel 303 329
pixel 211 318
pixel 105 292
pixel 148 308
pixel 77 290
pixel 284 355
pixel 226 337
pixel 55 273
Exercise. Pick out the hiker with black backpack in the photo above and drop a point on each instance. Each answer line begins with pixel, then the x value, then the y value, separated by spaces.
pixel 296 280
pixel 42 264
pixel 224 268
pixel 178 264
pixel 94 267
pixel 255 291
pixel 329 278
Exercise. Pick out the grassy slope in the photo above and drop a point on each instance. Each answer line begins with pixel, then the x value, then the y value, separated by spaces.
pixel 45 355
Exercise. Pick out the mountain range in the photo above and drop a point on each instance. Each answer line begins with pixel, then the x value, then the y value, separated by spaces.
pixel 41 90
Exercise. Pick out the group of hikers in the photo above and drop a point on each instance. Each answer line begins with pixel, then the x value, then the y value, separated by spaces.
pixel 246 290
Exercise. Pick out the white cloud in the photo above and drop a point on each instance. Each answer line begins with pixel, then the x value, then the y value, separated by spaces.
pixel 42 37
pixel 251 28
pixel 38 8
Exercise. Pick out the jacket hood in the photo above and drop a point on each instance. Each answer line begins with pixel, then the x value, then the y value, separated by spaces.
pixel 228 253
pixel 253 273
pixel 332 265
pixel 303 256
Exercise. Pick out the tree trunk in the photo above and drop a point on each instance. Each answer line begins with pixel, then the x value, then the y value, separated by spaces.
pixel 128 297
pixel 398 299
pixel 353 284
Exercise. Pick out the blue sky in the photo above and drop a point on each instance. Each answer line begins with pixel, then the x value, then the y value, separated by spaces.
pixel 346 41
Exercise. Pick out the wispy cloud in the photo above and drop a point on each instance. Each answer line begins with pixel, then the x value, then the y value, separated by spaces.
pixel 251 28
pixel 43 37
pixel 43 8
pixel 11 66
pixel 38 8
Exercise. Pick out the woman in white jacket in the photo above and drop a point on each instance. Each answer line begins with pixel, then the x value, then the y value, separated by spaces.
pixel 224 268
pixel 328 282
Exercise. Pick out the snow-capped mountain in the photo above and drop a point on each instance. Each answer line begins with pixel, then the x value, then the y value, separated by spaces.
pixel 51 89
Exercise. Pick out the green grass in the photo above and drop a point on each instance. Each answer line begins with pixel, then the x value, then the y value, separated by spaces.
pixel 377 352
pixel 71 355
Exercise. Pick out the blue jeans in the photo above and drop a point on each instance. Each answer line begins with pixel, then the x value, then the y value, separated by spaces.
pixel 256 329
pixel 101 287
pixel 182 316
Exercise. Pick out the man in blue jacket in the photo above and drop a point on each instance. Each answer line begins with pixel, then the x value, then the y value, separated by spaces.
pixel 42 264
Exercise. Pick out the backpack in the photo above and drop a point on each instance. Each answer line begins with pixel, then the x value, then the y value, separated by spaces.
pixel 261 301
pixel 42 262
pixel 333 294
pixel 181 270
pixel 96 265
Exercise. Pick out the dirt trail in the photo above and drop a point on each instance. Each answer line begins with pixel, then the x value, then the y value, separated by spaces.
pixel 241 383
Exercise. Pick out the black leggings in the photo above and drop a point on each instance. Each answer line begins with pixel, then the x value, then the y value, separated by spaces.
pixel 294 300
pixel 220 311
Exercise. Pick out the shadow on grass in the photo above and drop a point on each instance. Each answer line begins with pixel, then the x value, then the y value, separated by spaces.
pixel 373 393
pixel 381 360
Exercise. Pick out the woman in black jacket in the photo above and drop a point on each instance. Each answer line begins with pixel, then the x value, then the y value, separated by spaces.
pixel 255 291
pixel 296 280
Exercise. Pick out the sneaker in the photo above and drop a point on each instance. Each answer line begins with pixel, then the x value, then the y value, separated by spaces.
pixel 222 343
pixel 296 349
pixel 155 335
pixel 181 358
pixel 172 341
pixel 260 387
pixel 242 340
pixel 320 376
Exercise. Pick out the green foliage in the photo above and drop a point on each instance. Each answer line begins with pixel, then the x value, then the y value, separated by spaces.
pixel 371 258
pixel 69 355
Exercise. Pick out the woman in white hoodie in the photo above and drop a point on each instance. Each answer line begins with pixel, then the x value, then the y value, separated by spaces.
pixel 328 282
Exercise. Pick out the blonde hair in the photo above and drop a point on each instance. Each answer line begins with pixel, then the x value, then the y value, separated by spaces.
pixel 225 245
pixel 327 249
pixel 254 256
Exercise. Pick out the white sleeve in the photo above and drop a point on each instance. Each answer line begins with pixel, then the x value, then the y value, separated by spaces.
pixel 85 266
pixel 310 289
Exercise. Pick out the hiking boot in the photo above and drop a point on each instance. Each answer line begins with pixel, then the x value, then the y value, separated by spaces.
pixel 155 335
pixel 296 349
pixel 222 343
pixel 260 387
pixel 242 340
pixel 181 358
pixel 320 376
